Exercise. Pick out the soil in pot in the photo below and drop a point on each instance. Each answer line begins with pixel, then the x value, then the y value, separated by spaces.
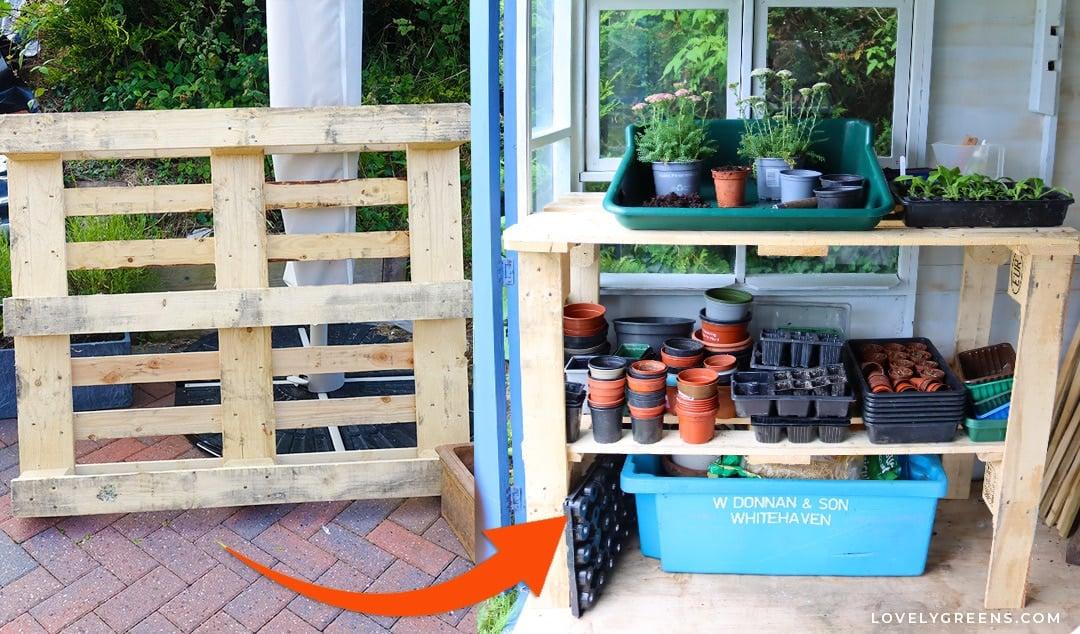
pixel 798 184
pixel 675 201
pixel 607 424
pixel 730 183
pixel 677 178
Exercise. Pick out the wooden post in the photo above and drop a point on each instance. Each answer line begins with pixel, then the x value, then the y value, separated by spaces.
pixel 585 274
pixel 1042 289
pixel 247 390
pixel 976 310
pixel 435 235
pixel 39 269
pixel 543 447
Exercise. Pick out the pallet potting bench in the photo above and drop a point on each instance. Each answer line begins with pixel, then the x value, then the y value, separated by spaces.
pixel 558 262
pixel 242 308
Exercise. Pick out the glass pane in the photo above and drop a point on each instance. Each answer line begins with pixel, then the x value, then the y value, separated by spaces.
pixel 548 60
pixel 667 259
pixel 839 260
pixel 550 173
pixel 853 49
pixel 646 51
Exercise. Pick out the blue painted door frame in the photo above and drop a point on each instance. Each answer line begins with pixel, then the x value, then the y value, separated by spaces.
pixel 491 468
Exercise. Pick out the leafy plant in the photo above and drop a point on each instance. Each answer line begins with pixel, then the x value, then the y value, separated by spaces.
pixel 949 184
pixel 108 228
pixel 494 614
pixel 782 120
pixel 5 276
pixel 673 129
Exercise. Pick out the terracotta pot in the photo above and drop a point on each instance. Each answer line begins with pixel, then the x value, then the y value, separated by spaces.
pixel 698 377
pixel 920 355
pixel 695 406
pixel 698 392
pixel 605 402
pixel 723 348
pixel 607 389
pixel 895 347
pixel 881 389
pixel 871 368
pixel 712 334
pixel 583 317
pixel 672 398
pixel 680 362
pixel 584 331
pixel 917 345
pixel 924 384
pixel 934 373
pixel 897 362
pixel 868 349
pixel 647 369
pixel 720 362
pixel 876 357
pixel 899 373
pixel 903 386
pixel 645 386
pixel 647 412
pixel 730 183
pixel 697 429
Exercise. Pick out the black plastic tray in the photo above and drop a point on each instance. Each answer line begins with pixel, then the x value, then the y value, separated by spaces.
pixel 1048 212
pixel 955 387
pixel 795 349
pixel 770 429
pixel 785 405
pixel 900 433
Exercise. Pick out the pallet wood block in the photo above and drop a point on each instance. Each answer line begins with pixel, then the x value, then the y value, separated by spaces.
pixel 242 306
pixel 458 504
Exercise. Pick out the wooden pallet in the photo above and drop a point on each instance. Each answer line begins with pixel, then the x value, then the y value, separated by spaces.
pixel 242 307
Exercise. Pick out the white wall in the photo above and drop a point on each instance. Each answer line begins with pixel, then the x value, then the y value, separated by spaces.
pixel 979 86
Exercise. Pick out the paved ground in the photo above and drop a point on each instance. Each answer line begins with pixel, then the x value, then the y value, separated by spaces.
pixel 165 572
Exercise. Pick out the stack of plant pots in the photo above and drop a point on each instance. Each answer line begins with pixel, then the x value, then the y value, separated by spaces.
pixel 607 397
pixel 679 354
pixel 725 365
pixel 725 324
pixel 585 330
pixel 697 404
pixel 575 398
pixel 647 396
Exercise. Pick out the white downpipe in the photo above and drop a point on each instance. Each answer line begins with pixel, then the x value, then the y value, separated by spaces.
pixel 314 50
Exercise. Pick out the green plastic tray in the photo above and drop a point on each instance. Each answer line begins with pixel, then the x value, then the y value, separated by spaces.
pixel 985 430
pixel 983 391
pixel 845 144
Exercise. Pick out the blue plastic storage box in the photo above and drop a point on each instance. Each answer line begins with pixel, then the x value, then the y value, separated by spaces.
pixel 786 527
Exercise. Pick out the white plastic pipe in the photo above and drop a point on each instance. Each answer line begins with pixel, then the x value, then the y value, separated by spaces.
pixel 314 57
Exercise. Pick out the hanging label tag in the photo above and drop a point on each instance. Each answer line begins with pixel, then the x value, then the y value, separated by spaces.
pixel 1016 274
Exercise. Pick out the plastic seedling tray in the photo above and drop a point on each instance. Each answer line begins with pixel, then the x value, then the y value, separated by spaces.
pixel 755 393
pixel 902 433
pixel 954 387
pixel 635 351
pixel 990 363
pixel 1001 412
pixel 987 406
pixel 785 348
pixel 985 430
pixel 981 391
pixel 846 146
pixel 770 429
pixel 1048 212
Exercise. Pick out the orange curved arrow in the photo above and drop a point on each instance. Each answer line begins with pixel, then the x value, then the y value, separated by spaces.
pixel 524 553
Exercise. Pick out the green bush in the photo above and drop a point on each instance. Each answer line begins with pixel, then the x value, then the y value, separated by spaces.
pixel 108 228
pixel 5 276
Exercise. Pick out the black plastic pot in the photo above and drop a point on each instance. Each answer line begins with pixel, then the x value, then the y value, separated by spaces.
pixel 646 400
pixel 651 330
pixel 683 347
pixel 829 181
pixel 607 423
pixel 1048 212
pixel 584 343
pixel 840 197
pixel 647 431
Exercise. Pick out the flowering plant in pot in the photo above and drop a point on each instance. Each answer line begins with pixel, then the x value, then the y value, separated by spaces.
pixel 673 138
pixel 780 125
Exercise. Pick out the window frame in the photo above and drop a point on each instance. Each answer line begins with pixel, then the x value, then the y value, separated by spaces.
pixel 598 168
pixel 562 135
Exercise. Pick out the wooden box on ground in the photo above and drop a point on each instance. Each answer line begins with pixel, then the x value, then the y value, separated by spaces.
pixel 242 306
pixel 459 494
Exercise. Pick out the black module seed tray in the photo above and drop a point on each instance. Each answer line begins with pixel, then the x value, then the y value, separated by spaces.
pixel 901 433
pixel 770 429
pixel 791 393
pixel 600 520
pixel 785 348
pixel 1047 212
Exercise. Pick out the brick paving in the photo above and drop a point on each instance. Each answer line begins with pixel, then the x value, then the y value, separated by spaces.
pixel 166 571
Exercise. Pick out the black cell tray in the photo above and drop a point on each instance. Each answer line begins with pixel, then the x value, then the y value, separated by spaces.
pixel 769 429
pixel 1048 212
pixel 789 406
pixel 776 349
pixel 600 520
pixel 900 433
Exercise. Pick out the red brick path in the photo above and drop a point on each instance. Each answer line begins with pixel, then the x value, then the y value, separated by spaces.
pixel 165 572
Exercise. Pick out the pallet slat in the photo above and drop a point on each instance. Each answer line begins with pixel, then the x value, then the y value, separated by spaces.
pixel 160 199
pixel 139 134
pixel 236 308
pixel 203 366
pixel 207 419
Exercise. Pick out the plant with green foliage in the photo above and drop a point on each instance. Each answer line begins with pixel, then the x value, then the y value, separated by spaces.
pixel 673 127
pixel 494 614
pixel 5 276
pixel 104 229
pixel 949 184
pixel 782 120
